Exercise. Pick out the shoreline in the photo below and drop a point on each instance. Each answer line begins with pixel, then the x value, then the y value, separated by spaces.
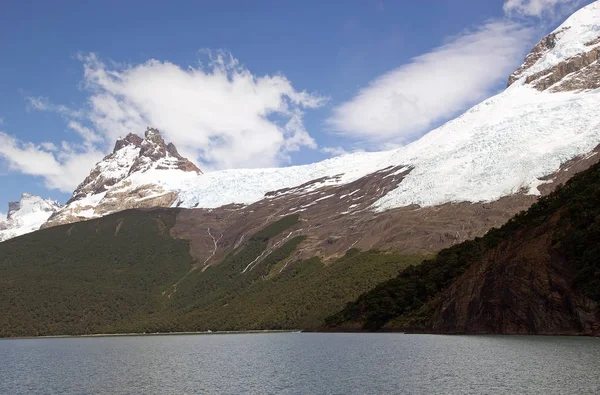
pixel 258 331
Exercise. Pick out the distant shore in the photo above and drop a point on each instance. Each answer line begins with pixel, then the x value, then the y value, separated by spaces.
pixel 157 334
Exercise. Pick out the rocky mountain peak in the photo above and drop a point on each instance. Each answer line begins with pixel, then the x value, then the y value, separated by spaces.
pixel 130 139
pixel 567 58
pixel 132 154
pixel 137 173
pixel 155 153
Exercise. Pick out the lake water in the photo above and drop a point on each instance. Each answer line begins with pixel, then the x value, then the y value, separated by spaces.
pixel 298 363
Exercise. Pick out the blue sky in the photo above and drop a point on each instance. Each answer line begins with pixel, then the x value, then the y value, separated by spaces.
pixel 244 84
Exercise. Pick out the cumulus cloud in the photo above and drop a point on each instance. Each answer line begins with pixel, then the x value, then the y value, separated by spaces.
pixel 541 8
pixel 401 104
pixel 61 170
pixel 222 115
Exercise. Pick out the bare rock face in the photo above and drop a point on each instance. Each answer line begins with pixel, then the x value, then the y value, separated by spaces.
pixel 130 139
pixel 112 184
pixel 154 151
pixel 112 169
pixel 337 218
pixel 539 50
pixel 523 286
pixel 567 58
pixel 574 74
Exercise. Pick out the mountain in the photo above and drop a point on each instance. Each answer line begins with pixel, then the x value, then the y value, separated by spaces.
pixel 26 215
pixel 537 274
pixel 286 247
pixel 503 153
pixel 138 173
pixel 465 177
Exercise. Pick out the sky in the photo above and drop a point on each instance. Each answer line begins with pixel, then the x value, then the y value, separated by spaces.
pixel 240 84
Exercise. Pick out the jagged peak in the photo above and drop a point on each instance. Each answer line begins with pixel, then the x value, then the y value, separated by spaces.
pixel 130 139
pixel 570 48
pixel 151 132
pixel 155 153
pixel 132 154
pixel 26 215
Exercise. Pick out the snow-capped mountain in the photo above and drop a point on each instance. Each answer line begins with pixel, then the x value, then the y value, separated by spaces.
pixel 504 145
pixel 501 153
pixel 138 173
pixel 26 215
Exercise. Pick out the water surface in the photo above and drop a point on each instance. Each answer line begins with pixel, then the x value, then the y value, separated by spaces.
pixel 295 363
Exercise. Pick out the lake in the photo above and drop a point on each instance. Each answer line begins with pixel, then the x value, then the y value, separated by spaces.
pixel 301 363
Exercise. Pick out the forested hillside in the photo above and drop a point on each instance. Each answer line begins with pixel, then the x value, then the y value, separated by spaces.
pixel 539 273
pixel 126 273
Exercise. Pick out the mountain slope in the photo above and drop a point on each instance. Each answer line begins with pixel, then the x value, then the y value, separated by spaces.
pixel 537 274
pixel 503 145
pixel 126 273
pixel 89 276
pixel 26 215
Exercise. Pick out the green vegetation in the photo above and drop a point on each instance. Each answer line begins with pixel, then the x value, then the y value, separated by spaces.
pixel 299 297
pixel 409 291
pixel 116 274
pixel 89 276
pixel 576 237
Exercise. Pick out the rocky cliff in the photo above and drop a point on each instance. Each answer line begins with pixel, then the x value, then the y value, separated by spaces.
pixel 567 58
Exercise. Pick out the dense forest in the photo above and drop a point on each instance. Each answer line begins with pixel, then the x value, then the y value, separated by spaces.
pixel 116 274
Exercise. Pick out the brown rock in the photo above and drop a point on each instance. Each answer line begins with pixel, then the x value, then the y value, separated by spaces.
pixel 522 287
pixel 577 73
pixel 538 51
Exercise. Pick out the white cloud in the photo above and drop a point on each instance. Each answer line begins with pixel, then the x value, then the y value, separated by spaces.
pixel 222 114
pixel 3 216
pixel 62 170
pixel 540 8
pixel 89 136
pixel 403 103
pixel 48 146
pixel 41 103
pixel 334 151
